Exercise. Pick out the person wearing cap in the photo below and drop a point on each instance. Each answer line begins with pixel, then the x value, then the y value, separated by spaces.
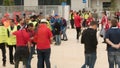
pixel 3 37
pixel 11 39
pixel 7 20
pixel 43 39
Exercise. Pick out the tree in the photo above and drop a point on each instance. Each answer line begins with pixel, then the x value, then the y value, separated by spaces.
pixel 113 4
pixel 8 2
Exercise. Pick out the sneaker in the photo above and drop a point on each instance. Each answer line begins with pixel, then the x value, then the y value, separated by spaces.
pixel 12 63
pixel 65 39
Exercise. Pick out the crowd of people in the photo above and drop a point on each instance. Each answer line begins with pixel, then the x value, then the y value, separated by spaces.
pixel 29 33
pixel 110 32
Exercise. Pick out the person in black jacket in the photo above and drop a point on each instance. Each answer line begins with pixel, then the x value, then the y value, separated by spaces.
pixel 57 27
pixel 89 39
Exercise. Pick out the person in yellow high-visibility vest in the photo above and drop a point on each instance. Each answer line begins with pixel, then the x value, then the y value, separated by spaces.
pixel 11 39
pixel 72 19
pixel 3 37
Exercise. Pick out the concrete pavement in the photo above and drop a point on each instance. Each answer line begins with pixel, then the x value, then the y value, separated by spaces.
pixel 70 54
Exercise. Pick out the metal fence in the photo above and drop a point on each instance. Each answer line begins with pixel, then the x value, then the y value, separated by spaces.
pixel 46 9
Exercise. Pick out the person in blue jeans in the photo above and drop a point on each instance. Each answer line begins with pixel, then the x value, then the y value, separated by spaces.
pixel 57 27
pixel 64 28
pixel 113 45
pixel 89 39
pixel 31 33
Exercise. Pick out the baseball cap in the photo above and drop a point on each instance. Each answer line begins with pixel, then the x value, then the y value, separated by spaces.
pixel 43 20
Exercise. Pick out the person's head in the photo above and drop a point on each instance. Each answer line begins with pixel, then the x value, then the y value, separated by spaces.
pixel 30 26
pixel 114 23
pixel 93 25
pixel 7 16
pixel 12 22
pixel 43 21
pixel 104 13
pixel 56 16
pixel 77 13
pixel 22 21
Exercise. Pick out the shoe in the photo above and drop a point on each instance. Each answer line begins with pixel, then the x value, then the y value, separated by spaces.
pixel 62 39
pixel 12 63
pixel 65 39
pixel 55 43
pixel 4 64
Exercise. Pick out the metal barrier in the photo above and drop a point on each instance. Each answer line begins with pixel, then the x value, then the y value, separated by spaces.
pixel 45 9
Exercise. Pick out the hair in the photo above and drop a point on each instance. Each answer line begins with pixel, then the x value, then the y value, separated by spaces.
pixel 13 20
pixel 77 13
pixel 30 25
pixel 114 22
pixel 104 12
pixel 93 23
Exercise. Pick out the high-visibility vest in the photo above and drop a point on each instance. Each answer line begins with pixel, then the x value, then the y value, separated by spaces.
pixel 34 23
pixel 86 16
pixel 48 25
pixel 71 16
pixel 12 38
pixel 3 34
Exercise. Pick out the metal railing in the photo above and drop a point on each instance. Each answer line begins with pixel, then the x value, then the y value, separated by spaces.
pixel 45 9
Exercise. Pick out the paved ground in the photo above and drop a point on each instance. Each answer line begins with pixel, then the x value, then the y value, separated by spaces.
pixel 70 54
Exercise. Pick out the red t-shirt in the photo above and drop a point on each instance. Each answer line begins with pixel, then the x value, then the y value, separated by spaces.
pixel 22 37
pixel 43 36
pixel 104 20
pixel 77 21
pixel 89 20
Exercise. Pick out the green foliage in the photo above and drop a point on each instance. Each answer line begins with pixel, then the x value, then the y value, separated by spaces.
pixel 113 5
pixel 8 2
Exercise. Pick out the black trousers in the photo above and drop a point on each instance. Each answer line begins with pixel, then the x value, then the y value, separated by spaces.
pixel 21 54
pixel 78 30
pixel 72 23
pixel 11 52
pixel 3 49
pixel 43 56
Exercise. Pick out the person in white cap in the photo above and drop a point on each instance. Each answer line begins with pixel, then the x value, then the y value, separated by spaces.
pixel 43 38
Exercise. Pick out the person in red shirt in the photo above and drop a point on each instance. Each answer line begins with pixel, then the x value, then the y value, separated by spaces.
pixel 22 47
pixel 31 32
pixel 104 19
pixel 77 21
pixel 104 22
pixel 43 39
pixel 90 19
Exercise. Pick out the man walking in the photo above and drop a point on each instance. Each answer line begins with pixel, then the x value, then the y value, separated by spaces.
pixel 3 37
pixel 113 44
pixel 89 39
pixel 77 21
